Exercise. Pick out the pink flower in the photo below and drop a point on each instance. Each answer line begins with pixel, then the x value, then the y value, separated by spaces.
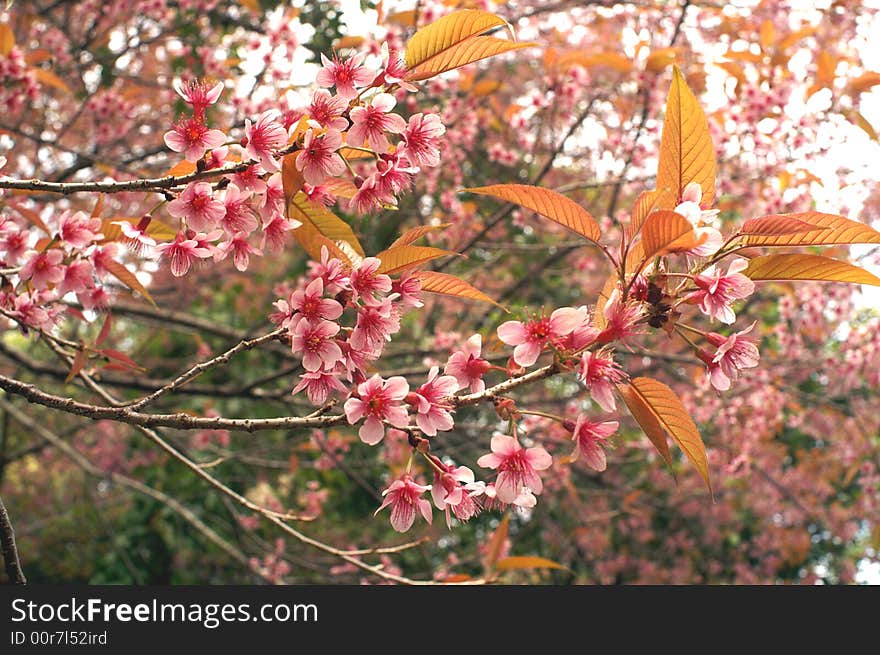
pixel 198 95
pixel 29 308
pixel 311 304
pixel 454 489
pixel 182 252
pixel 327 110
pixel 264 138
pixel 319 195
pixel 318 159
pixel 394 70
pixel 270 199
pixel 43 268
pixel 718 290
pixel 517 467
pixel 393 174
pixel 733 353
pixel 690 208
pixel 372 121
pixel 621 318
pixel 431 403
pixel 531 338
pixel 409 287
pixel 136 236
pixel 467 367
pixel 198 207
pixel 366 280
pixel 378 400
pixel 250 179
pixel 78 230
pixel 371 196
pixel 421 139
pixel 193 138
pixel 240 248
pixel 274 232
pixel 589 437
pixel 314 341
pixel 600 373
pixel 376 322
pixel 319 385
pixel 345 75
pixel 332 271
pixel 78 277
pixel 239 216
pixel 405 498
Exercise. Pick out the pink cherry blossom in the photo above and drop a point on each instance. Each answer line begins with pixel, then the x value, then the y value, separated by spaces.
pixel 331 270
pixel 405 498
pixel 78 277
pixel 275 231
pixel 78 230
pixel 328 110
pixel 378 400
pixel 690 208
pixel 600 373
pixel 239 216
pixel 346 75
pixel 318 158
pixel 366 280
pixel 454 489
pixel 372 121
pixel 621 318
pixel 432 405
pixel 517 467
pixel 43 268
pixel 394 70
pixel 193 138
pixel 314 341
pixel 198 206
pixel 718 290
pixel 241 250
pixel 311 304
pixel 467 367
pixel 409 287
pixel 530 338
pixel 733 353
pixel 319 195
pixel 393 175
pixel 376 322
pixel 319 385
pixel 421 139
pixel 198 95
pixel 589 438
pixel 182 252
pixel 264 138
pixel 371 196
pixel 136 236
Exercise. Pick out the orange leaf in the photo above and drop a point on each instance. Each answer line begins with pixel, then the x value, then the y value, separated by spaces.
pixel 660 59
pixel 415 233
pixel 316 219
pixel 686 150
pixel 79 362
pixel 181 168
pixel 128 279
pixel 807 267
pixel 462 54
pixel 399 258
pixel 658 405
pixel 549 204
pixel 7 40
pixel 647 202
pixel 527 562
pixel 609 286
pixel 432 42
pixel 665 232
pixel 780 225
pixel 646 418
pixel 341 188
pixel 496 544
pixel 122 358
pixel 831 229
pixel 450 285
pixel 291 179
pixel 768 35
pixel 105 329
pixel 49 78
pixel 864 82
